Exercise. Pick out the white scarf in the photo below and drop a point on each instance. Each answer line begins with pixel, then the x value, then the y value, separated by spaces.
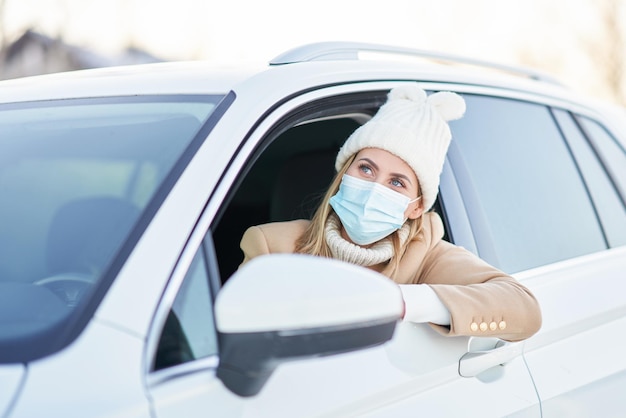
pixel 346 251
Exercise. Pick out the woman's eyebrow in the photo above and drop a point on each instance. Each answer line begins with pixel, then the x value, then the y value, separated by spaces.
pixel 372 163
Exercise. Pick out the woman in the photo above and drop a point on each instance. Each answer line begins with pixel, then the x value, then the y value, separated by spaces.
pixel 375 214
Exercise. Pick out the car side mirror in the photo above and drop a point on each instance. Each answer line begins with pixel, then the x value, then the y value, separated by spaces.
pixel 281 307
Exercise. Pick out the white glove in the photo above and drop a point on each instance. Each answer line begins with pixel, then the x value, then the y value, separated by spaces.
pixel 421 304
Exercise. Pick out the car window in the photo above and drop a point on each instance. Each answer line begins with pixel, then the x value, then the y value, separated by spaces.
pixel 524 194
pixel 288 178
pixel 608 204
pixel 189 331
pixel 609 150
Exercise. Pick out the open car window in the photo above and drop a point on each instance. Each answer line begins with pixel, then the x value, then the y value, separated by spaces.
pixel 288 175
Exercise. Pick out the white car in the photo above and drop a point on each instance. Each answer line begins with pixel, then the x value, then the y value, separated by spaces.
pixel 124 193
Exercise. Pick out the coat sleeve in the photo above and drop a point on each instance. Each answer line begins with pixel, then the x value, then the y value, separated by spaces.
pixel 277 237
pixel 482 300
pixel 253 244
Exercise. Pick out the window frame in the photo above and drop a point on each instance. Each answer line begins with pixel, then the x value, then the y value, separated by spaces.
pixel 619 184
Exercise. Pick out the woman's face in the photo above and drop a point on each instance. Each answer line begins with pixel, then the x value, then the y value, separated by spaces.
pixel 380 166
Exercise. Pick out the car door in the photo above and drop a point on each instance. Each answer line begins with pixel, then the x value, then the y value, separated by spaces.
pixel 537 193
pixel 417 371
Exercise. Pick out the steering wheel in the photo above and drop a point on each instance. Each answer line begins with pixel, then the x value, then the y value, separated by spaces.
pixel 69 287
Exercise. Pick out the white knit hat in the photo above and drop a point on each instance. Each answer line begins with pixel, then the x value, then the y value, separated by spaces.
pixel 412 126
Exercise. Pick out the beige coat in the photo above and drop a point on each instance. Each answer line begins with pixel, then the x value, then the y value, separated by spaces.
pixel 482 300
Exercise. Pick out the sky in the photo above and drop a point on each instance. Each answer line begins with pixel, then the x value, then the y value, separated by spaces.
pixel 551 36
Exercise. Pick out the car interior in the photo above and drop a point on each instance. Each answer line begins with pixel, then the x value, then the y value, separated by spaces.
pixel 286 182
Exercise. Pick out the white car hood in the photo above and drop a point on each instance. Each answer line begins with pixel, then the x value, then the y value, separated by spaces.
pixel 11 377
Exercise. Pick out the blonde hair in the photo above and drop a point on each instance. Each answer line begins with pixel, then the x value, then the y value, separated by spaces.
pixel 313 240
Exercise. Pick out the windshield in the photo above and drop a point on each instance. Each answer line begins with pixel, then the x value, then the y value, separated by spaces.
pixel 75 179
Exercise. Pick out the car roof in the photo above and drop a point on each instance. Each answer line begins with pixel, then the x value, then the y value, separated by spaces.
pixel 296 70
pixel 158 78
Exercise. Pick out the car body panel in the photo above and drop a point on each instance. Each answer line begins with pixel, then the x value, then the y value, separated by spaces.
pixel 386 381
pixel 110 386
pixel 579 349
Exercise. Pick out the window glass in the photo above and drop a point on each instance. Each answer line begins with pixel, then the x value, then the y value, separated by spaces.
pixel 189 331
pixel 519 180
pixel 608 204
pixel 79 179
pixel 87 169
pixel 611 153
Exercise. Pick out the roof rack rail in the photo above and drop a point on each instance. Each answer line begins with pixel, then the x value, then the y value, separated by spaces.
pixel 324 51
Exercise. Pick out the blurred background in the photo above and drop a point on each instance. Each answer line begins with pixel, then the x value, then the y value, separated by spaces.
pixel 580 42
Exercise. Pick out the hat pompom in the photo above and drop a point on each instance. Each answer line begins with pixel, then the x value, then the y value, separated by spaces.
pixel 449 105
pixel 408 92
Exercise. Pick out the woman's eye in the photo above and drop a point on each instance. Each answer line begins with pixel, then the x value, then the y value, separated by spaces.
pixel 365 169
pixel 397 183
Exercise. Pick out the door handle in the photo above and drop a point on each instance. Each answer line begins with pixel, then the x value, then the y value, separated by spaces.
pixel 473 363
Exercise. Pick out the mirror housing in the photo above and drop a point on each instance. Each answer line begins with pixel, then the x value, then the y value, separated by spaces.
pixel 281 307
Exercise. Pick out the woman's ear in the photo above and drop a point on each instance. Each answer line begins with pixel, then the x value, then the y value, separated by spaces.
pixel 417 211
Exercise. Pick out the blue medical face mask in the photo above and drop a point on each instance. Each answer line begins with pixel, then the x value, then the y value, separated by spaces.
pixel 369 211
